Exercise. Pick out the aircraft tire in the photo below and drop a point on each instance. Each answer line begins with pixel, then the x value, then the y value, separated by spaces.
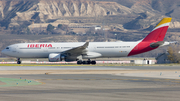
pixel 84 62
pixel 18 62
pixel 88 62
pixel 79 62
pixel 93 62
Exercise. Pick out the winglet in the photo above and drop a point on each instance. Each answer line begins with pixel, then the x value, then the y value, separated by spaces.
pixel 86 45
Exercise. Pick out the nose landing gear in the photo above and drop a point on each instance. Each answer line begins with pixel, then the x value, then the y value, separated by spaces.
pixel 18 61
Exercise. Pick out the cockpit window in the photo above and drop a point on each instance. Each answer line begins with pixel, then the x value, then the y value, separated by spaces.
pixel 7 47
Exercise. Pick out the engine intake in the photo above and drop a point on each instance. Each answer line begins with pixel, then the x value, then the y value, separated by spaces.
pixel 54 57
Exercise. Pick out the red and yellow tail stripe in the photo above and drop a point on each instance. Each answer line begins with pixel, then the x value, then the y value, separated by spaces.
pixel 164 22
pixel 156 35
pixel 159 32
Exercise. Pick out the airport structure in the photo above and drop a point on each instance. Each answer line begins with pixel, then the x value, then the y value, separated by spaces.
pixel 96 27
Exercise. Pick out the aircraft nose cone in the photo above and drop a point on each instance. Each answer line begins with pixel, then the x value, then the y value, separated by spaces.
pixel 3 52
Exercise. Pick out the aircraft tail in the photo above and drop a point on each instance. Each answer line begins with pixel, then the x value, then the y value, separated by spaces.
pixel 159 32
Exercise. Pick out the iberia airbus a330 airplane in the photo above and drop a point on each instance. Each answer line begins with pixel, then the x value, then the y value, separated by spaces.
pixel 77 51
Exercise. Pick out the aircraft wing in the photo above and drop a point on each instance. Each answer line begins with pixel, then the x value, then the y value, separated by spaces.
pixel 77 50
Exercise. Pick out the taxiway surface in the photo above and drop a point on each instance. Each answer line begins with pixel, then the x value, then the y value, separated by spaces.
pixel 94 87
pixel 89 67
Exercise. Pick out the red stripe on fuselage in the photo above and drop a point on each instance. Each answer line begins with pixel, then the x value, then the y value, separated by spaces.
pixel 141 48
pixel 144 45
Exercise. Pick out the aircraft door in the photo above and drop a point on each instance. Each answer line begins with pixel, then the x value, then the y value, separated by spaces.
pixel 95 47
pixel 14 49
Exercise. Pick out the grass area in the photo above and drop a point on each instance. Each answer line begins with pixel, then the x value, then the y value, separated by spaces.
pixel 17 82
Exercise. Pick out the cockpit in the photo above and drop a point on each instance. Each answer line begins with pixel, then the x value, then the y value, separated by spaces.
pixel 7 47
pixel 6 51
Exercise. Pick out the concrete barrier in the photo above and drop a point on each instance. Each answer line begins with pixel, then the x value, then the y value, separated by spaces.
pixel 8 62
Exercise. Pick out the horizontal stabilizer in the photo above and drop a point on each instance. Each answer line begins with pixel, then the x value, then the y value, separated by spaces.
pixel 173 42
pixel 161 43
pixel 157 44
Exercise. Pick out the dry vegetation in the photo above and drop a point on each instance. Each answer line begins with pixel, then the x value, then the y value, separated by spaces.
pixel 174 55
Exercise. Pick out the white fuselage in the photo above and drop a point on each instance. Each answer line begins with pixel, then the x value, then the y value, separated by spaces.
pixel 42 50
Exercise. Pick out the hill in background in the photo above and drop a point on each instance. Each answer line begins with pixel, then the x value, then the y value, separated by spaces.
pixel 27 20
pixel 129 13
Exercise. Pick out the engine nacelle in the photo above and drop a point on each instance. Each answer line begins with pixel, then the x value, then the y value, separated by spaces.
pixel 54 57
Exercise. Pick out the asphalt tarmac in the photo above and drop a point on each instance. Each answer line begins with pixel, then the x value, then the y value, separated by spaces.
pixel 81 67
pixel 90 87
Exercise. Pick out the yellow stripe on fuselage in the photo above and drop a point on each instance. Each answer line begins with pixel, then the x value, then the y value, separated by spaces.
pixel 163 21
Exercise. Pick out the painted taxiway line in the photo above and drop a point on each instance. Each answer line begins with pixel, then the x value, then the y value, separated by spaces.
pixel 160 80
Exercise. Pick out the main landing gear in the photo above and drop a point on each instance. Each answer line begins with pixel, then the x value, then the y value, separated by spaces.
pixel 79 62
pixel 18 61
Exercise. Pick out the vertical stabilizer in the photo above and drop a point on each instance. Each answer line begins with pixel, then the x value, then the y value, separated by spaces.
pixel 154 39
pixel 159 32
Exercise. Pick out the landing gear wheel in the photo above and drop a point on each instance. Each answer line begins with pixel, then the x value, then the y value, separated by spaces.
pixel 79 62
pixel 93 62
pixel 88 62
pixel 84 62
pixel 18 62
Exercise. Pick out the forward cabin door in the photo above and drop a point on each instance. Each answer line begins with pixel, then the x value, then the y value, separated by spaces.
pixel 14 49
pixel 94 47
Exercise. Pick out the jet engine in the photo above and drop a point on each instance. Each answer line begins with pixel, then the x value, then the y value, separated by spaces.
pixel 54 57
